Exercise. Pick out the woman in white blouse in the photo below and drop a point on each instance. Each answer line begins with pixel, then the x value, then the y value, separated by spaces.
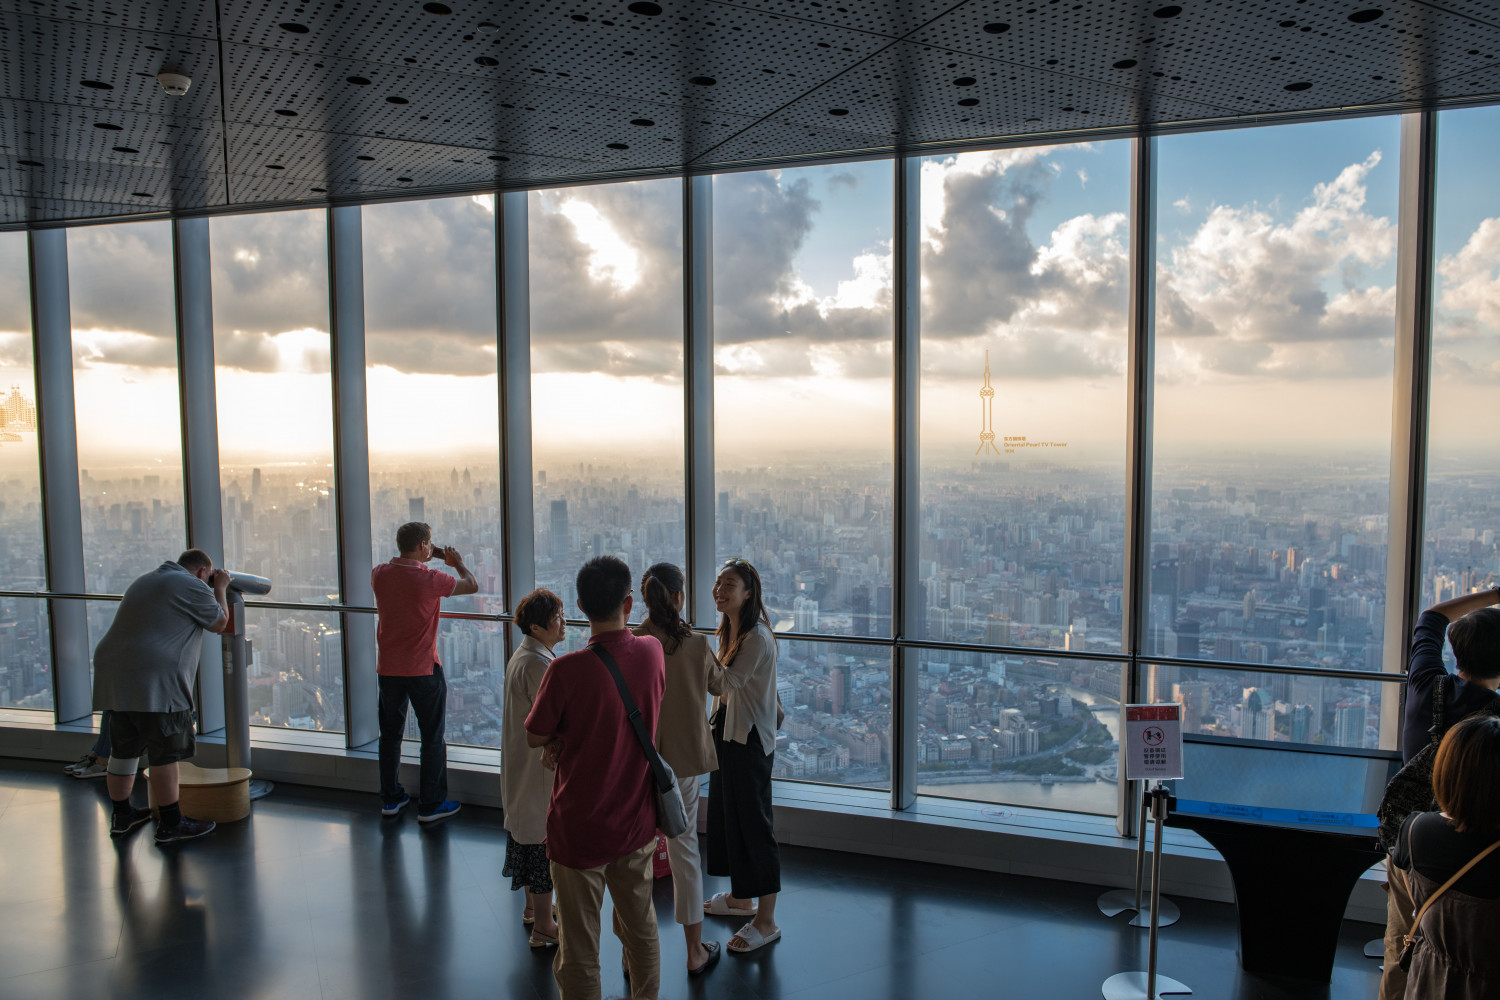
pixel 741 841
pixel 525 782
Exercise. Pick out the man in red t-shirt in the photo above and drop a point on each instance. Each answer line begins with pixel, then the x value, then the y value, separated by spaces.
pixel 408 596
pixel 601 822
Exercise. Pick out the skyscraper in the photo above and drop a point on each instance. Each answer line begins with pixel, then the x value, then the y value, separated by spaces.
pixel 416 509
pixel 559 529
pixel 1257 715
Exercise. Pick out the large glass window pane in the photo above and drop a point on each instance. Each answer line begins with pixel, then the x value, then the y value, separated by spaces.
pixel 125 394
pixel 1283 708
pixel 1275 324
pixel 25 654
pixel 1022 730
pixel 802 398
pixel 275 397
pixel 1025 270
pixel 296 668
pixel 1462 528
pixel 606 384
pixel 433 384
pixel 25 643
pixel 21 557
pixel 837 698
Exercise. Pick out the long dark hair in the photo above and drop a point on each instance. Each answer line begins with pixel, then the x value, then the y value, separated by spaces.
pixel 752 612
pixel 658 586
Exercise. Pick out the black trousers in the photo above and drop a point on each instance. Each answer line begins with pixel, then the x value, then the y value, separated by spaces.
pixel 741 841
pixel 429 700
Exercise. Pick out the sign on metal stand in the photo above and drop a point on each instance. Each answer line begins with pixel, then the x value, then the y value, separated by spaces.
pixel 1152 745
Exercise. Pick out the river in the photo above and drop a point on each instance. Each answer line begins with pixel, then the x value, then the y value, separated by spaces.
pixel 1089 797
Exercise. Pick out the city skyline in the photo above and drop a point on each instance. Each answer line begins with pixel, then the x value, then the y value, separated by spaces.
pixel 1271 437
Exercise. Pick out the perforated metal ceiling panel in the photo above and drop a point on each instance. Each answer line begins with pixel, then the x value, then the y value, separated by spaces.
pixel 1286 56
pixel 365 99
pixel 176 17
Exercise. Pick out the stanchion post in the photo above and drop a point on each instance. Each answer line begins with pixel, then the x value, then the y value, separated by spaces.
pixel 1159 817
pixel 1144 986
pixel 1140 846
pixel 1117 901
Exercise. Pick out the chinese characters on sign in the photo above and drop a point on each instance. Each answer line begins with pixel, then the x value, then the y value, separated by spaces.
pixel 1153 742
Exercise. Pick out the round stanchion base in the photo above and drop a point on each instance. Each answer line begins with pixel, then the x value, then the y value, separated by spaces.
pixel 260 788
pixel 1132 986
pixel 1375 949
pixel 1117 901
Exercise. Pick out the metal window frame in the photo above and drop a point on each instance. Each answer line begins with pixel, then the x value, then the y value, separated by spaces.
pixel 47 262
pixel 1411 389
pixel 700 514
pixel 1140 429
pixel 351 465
pixel 906 543
pixel 57 453
pixel 198 421
pixel 513 297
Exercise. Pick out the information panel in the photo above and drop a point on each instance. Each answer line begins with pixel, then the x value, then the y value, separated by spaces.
pixel 1153 742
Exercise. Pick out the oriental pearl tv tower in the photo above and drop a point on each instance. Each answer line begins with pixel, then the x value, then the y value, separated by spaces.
pixel 987 412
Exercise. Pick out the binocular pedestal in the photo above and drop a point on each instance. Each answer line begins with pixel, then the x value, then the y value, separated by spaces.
pixel 237 689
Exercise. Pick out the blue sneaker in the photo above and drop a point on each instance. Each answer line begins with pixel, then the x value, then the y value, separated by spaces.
pixel 438 812
pixel 394 808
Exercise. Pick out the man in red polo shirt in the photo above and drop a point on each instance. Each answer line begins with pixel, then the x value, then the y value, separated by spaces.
pixel 601 822
pixel 408 597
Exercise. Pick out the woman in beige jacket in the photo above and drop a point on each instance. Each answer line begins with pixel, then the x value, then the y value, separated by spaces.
pixel 525 782
pixel 684 741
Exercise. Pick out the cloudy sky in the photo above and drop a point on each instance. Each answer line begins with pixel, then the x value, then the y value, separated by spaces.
pixel 1275 294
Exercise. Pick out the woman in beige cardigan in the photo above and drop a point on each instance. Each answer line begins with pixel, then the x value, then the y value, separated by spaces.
pixel 684 741
pixel 525 782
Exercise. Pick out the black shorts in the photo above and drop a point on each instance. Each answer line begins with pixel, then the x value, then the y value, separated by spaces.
pixel 164 737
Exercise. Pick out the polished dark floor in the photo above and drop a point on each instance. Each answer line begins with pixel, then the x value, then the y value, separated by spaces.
pixel 315 896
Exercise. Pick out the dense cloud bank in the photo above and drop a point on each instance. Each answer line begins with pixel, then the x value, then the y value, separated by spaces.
pixel 1252 290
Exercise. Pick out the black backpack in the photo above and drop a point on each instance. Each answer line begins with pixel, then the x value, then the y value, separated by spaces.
pixel 1410 791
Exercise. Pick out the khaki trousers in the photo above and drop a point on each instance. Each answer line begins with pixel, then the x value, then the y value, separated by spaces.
pixel 687 865
pixel 1397 924
pixel 580 898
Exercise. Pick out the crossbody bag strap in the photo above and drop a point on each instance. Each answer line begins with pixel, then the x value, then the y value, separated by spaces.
pixel 1416 921
pixel 633 713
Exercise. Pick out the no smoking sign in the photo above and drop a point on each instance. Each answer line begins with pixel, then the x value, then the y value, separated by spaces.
pixel 1153 742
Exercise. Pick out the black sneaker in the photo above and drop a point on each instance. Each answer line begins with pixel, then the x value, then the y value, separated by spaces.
pixel 186 829
pixel 122 823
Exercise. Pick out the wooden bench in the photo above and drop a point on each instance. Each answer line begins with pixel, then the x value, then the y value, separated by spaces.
pixel 221 794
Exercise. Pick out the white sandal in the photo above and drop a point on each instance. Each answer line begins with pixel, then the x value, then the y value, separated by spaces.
pixel 719 907
pixel 753 939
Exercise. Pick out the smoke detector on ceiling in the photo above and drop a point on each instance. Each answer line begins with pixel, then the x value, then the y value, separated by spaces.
pixel 173 82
